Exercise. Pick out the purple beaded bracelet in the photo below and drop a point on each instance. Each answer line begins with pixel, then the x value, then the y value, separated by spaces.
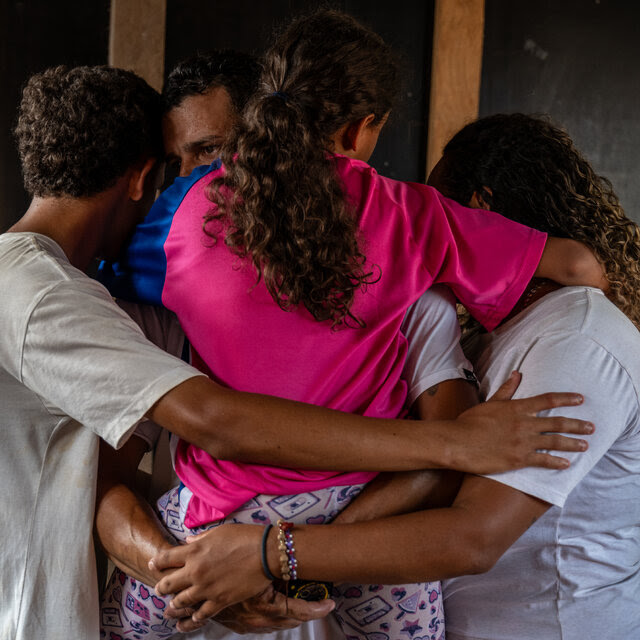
pixel 288 562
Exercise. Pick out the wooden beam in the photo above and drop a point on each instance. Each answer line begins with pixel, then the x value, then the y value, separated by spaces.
pixel 136 38
pixel 456 69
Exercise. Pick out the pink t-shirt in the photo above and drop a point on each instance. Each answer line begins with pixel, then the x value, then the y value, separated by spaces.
pixel 413 235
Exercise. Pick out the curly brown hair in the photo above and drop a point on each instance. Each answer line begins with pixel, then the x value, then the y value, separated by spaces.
pixel 287 211
pixel 537 177
pixel 80 129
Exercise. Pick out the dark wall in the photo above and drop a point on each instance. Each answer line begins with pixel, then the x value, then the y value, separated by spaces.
pixel 247 25
pixel 35 35
pixel 579 61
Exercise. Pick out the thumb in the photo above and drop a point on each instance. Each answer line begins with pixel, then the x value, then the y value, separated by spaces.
pixel 508 387
pixel 196 537
pixel 309 610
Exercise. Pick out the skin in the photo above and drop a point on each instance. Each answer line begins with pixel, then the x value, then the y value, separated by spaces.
pixel 142 536
pixel 563 260
pixel 356 140
pixel 95 226
pixel 485 514
pixel 193 131
pixel 484 519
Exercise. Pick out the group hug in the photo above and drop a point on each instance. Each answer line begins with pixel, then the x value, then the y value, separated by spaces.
pixel 395 410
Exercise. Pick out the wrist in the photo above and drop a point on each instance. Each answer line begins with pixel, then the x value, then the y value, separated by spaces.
pixel 278 552
pixel 272 554
pixel 439 447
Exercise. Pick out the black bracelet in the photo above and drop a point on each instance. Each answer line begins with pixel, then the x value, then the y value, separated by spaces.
pixel 265 566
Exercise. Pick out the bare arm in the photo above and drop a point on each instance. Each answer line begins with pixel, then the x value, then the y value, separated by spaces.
pixel 131 534
pixel 248 427
pixel 126 526
pixel 570 262
pixel 395 493
pixel 485 519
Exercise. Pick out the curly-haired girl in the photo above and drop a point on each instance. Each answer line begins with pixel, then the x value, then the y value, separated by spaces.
pixel 529 168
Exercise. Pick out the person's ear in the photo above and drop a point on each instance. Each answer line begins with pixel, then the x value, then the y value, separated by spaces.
pixel 352 134
pixel 138 179
pixel 479 199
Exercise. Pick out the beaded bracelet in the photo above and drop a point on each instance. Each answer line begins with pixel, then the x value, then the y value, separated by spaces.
pixel 288 562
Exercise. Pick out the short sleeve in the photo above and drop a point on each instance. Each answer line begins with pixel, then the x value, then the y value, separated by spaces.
pixel 161 327
pixel 85 358
pixel 486 259
pixel 575 363
pixel 432 330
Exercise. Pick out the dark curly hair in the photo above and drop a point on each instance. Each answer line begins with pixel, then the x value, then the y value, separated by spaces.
pixel 237 72
pixel 287 211
pixel 80 129
pixel 528 170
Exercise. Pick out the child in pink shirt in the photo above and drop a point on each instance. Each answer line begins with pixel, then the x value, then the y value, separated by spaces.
pixel 291 269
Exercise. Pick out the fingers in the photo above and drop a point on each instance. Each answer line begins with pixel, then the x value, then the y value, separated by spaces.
pixel 303 611
pixel 206 611
pixel 195 538
pixel 560 424
pixel 173 583
pixel 256 624
pixel 188 598
pixel 543 402
pixel 169 558
pixel 547 461
pixel 556 442
pixel 172 612
pixel 508 387
pixel 185 625
pixel 266 617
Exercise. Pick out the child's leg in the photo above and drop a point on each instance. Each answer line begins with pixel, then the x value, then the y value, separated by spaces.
pixel 390 612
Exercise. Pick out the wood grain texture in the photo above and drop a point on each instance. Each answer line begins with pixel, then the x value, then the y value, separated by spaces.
pixel 455 71
pixel 136 38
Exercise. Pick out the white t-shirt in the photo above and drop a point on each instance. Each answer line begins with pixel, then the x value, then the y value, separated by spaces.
pixel 431 327
pixel 575 574
pixel 68 357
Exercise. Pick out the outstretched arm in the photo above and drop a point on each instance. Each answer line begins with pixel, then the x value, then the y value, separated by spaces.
pixel 487 517
pixel 396 493
pixel 248 427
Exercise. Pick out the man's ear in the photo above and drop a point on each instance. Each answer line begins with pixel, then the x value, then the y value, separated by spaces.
pixel 478 199
pixel 352 134
pixel 138 179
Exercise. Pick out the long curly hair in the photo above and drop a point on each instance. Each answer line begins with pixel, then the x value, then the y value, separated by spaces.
pixel 280 198
pixel 79 129
pixel 529 170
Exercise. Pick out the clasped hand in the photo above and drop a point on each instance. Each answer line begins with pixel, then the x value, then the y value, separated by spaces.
pixel 218 574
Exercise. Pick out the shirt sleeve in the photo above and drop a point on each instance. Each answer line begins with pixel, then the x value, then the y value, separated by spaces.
pixel 432 330
pixel 85 358
pixel 575 363
pixel 486 259
pixel 161 327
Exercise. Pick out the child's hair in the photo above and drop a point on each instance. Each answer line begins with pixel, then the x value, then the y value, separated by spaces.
pixel 288 211
pixel 537 177
pixel 80 129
